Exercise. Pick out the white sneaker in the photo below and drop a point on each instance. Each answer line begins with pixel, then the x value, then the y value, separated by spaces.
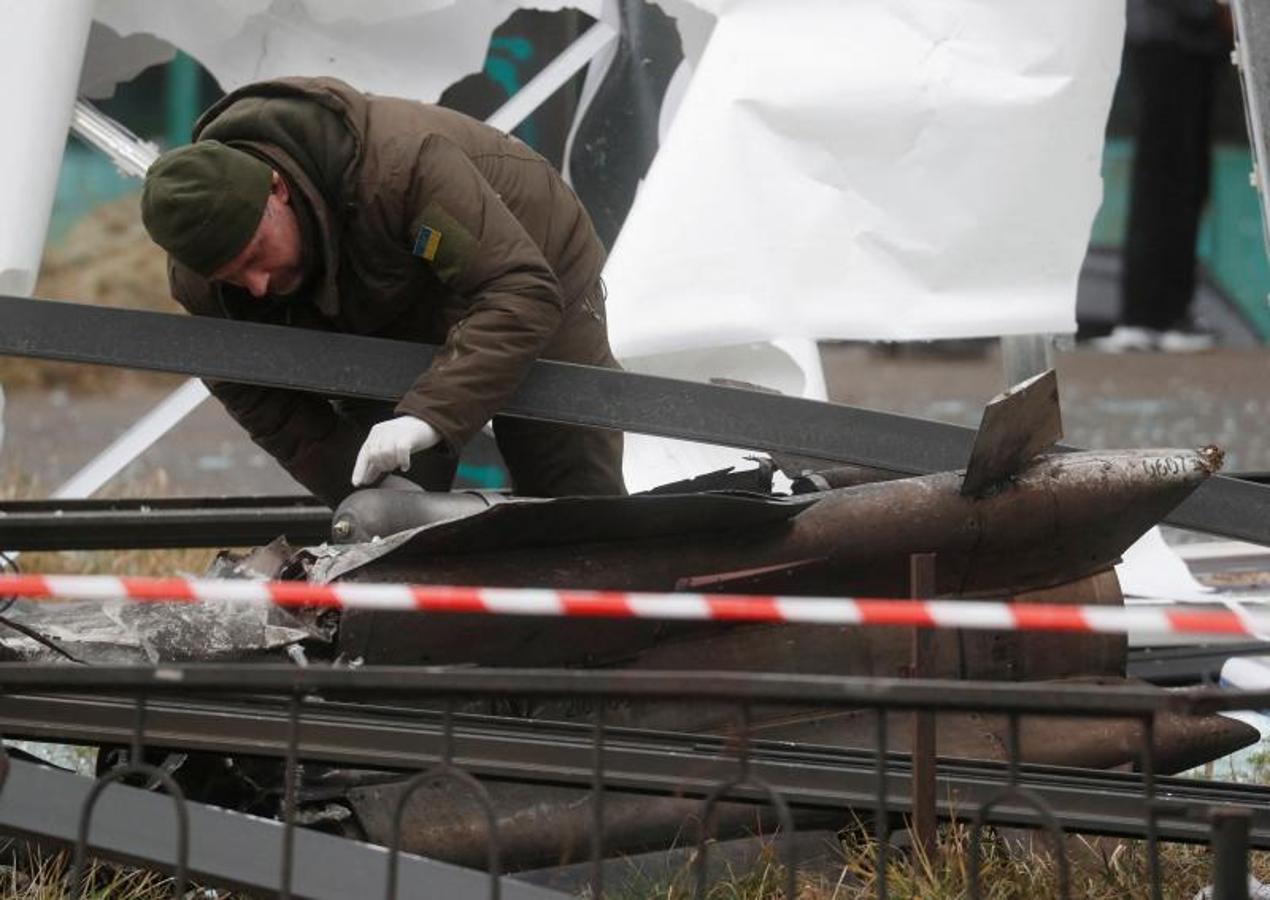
pixel 1187 340
pixel 1129 339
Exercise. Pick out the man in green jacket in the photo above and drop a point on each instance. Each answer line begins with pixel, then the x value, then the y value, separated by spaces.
pixel 307 203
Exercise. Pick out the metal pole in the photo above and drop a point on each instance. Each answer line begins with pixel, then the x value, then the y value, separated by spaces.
pixel 923 824
pixel 48 38
pixel 557 72
pixel 1230 853
pixel 1025 355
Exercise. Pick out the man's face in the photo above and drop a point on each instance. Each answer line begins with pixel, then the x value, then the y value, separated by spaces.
pixel 270 264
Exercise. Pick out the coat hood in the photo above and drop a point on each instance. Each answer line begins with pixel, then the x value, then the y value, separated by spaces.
pixel 313 130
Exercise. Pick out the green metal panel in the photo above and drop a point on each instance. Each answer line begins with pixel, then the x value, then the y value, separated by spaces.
pixel 181 99
pixel 1232 245
pixel 1230 242
pixel 1113 216
pixel 86 180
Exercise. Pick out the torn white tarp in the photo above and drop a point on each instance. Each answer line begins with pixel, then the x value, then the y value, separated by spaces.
pixel 404 48
pixel 1151 570
pixel 41 46
pixel 890 169
pixel 791 367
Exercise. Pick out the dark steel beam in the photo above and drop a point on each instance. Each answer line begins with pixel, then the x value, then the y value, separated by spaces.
pixel 373 368
pixel 536 752
pixel 154 523
pixel 838 692
pixel 351 366
pixel 1191 664
pixel 1229 507
pixel 231 849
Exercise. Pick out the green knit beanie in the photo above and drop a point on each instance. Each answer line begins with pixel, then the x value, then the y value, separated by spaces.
pixel 203 202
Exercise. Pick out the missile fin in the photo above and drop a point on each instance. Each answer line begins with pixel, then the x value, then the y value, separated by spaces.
pixel 1017 425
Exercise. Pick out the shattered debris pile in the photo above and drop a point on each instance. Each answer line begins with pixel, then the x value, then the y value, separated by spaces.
pixel 116 632
pixel 1018 522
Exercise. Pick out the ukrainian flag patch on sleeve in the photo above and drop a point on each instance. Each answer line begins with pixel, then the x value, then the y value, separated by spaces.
pixel 445 244
pixel 427 241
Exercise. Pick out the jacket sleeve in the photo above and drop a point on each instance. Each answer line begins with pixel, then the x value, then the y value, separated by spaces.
pixel 303 432
pixel 461 228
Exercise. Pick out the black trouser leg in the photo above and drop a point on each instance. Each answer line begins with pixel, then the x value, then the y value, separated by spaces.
pixel 1174 95
pixel 547 460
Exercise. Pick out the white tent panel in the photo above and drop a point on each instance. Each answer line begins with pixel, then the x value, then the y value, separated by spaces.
pixel 404 48
pixel 897 169
pixel 41 47
pixel 788 366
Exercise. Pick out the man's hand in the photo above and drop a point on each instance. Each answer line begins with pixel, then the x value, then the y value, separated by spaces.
pixel 390 445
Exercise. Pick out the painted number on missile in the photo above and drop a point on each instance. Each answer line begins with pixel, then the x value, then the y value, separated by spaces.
pixel 1165 466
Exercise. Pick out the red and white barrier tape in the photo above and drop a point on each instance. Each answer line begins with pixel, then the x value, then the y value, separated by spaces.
pixel 971 614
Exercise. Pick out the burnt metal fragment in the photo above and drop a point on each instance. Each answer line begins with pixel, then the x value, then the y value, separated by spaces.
pixel 1061 518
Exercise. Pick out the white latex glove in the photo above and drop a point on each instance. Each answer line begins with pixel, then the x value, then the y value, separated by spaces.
pixel 390 445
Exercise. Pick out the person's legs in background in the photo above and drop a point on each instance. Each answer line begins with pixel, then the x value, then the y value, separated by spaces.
pixel 1173 89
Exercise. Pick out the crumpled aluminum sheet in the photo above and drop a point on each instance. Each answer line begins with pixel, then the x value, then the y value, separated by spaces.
pixel 125 632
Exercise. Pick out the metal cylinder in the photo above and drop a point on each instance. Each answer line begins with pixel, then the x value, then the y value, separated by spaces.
pixel 1230 853
pixel 366 515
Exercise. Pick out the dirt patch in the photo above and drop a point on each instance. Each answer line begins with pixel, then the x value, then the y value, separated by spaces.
pixel 107 259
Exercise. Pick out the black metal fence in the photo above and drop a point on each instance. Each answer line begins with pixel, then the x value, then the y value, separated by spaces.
pixel 299 714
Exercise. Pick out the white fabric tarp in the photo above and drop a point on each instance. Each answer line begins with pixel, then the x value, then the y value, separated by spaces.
pixel 890 169
pixel 41 46
pixel 790 366
pixel 894 169
pixel 872 168
pixel 1151 570
pixel 405 48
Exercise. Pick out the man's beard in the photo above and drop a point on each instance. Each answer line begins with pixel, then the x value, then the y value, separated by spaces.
pixel 291 283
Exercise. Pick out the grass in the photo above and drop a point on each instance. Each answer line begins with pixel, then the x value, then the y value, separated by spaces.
pixel 119 562
pixel 1101 869
pixel 36 874
pixel 18 485
pixel 106 260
